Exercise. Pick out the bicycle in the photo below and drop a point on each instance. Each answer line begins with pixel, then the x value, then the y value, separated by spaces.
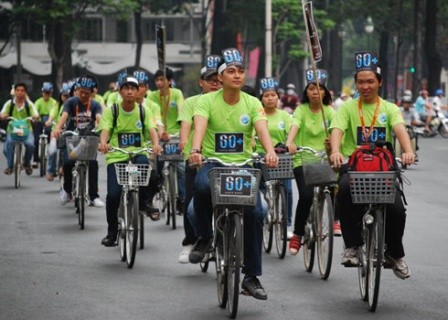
pixel 130 222
pixel 374 190
pixel 19 135
pixel 319 227
pixel 171 155
pixel 82 149
pixel 43 141
pixel 233 188
pixel 276 220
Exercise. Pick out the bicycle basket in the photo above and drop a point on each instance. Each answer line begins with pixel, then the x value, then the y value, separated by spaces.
pixel 82 147
pixel 61 143
pixel 283 170
pixel 372 187
pixel 171 151
pixel 137 174
pixel 19 130
pixel 234 186
pixel 317 171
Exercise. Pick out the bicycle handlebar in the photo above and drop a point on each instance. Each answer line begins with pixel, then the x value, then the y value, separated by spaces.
pixel 133 152
pixel 255 158
pixel 14 119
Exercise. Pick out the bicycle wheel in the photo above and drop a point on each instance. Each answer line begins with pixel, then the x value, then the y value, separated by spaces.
pixel 233 260
pixel 375 259
pixel 220 267
pixel 443 130
pixel 17 164
pixel 362 268
pixel 280 220
pixel 325 235
pixel 43 156
pixel 75 189
pixel 81 195
pixel 132 228
pixel 142 231
pixel 121 234
pixel 308 243
pixel 172 177
pixel 268 232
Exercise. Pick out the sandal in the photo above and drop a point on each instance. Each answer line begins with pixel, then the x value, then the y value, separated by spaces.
pixel 50 177
pixel 28 170
pixel 154 216
pixel 8 171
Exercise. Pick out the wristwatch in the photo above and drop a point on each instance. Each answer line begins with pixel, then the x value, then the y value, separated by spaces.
pixel 194 150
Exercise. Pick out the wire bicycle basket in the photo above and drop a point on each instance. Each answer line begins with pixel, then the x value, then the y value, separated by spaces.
pixel 373 187
pixel 82 148
pixel 135 174
pixel 316 170
pixel 282 171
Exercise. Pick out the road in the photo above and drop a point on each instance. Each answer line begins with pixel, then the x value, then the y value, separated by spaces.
pixel 49 269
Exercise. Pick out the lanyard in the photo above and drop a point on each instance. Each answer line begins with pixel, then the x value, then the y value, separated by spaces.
pixel 361 116
pixel 165 107
pixel 77 109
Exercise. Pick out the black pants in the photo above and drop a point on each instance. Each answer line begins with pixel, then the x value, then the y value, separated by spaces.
pixel 350 216
pixel 93 177
pixel 190 176
pixel 304 203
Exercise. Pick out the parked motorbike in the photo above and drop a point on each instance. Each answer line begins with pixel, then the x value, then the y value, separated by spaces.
pixel 439 124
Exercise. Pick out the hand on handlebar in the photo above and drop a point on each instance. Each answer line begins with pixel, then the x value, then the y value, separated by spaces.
pixel 407 158
pixel 104 148
pixel 195 160
pixel 336 159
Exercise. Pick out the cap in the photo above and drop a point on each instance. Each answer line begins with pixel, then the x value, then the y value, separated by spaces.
pixel 291 86
pixel 211 65
pixel 268 84
pixel 86 82
pixel 141 76
pixel 367 61
pixel 47 87
pixel 128 80
pixel 439 92
pixel 231 57
pixel 406 98
pixel 322 76
pixel 65 89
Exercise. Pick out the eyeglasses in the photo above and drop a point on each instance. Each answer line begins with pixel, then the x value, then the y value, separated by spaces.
pixel 213 81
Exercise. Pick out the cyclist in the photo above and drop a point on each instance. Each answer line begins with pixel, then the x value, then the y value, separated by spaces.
pixel 308 130
pixel 55 115
pixel 169 101
pixel 359 121
pixel 43 105
pixel 218 114
pixel 19 107
pixel 80 113
pixel 209 83
pixel 411 118
pixel 127 122
pixel 279 124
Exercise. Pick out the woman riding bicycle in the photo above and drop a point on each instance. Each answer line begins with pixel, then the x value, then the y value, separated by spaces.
pixel 359 121
pixel 129 132
pixel 308 130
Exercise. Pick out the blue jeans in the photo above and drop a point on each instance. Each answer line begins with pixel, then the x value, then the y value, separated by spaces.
pixel 113 197
pixel 8 150
pixel 253 222
pixel 287 183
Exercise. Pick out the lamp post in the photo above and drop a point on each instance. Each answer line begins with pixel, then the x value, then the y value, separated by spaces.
pixel 368 28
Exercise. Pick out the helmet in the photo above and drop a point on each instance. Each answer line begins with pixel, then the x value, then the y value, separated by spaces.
pixel 47 87
pixel 86 82
pixel 141 76
pixel 439 92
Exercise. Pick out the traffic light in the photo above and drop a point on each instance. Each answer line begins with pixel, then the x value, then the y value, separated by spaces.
pixel 411 69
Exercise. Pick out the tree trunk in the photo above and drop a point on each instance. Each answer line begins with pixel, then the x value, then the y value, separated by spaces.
pixel 138 37
pixel 222 38
pixel 335 63
pixel 384 41
pixel 418 46
pixel 433 60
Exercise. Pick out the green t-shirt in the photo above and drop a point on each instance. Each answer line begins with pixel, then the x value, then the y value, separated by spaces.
pixel 186 114
pixel 19 114
pixel 56 112
pixel 279 124
pixel 348 121
pixel 172 107
pixel 44 107
pixel 114 97
pixel 311 129
pixel 127 123
pixel 98 98
pixel 231 126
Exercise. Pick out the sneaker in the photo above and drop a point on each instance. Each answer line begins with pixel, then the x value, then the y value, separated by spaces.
pixel 294 244
pixel 337 229
pixel 399 266
pixel 350 257
pixel 35 165
pixel 180 205
pixel 289 235
pixel 9 171
pixel 97 202
pixel 200 248
pixel 28 170
pixel 253 287
pixel 64 197
pixel 109 241
pixel 183 257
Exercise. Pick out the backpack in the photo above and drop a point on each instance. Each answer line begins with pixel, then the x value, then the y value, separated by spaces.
pixel 373 157
pixel 115 114
pixel 27 108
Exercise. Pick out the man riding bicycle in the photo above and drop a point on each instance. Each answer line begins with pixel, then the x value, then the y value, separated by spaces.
pixel 359 121
pixel 218 114
pixel 117 133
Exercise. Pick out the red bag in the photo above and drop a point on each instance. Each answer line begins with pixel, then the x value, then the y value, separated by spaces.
pixel 371 157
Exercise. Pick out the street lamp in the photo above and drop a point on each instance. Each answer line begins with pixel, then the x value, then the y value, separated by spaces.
pixel 368 28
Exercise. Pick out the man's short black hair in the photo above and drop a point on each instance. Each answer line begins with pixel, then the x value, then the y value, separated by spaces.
pixel 21 84
pixel 169 74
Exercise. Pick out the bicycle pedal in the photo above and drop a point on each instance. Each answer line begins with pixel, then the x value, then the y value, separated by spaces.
pixel 350 265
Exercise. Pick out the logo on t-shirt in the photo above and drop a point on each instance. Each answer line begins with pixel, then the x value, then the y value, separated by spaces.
pixel 244 119
pixel 138 124
pixel 173 104
pixel 382 118
pixel 281 125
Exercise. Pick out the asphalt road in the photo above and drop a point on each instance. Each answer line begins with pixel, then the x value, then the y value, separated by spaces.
pixel 50 269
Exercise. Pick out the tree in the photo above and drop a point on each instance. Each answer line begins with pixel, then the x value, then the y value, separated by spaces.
pixel 433 59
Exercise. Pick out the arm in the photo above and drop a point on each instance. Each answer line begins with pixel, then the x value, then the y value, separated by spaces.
pixel 57 130
pixel 408 157
pixel 292 148
pixel 200 125
pixel 266 141
pixel 336 156
pixel 104 138
pixel 155 141
pixel 185 129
